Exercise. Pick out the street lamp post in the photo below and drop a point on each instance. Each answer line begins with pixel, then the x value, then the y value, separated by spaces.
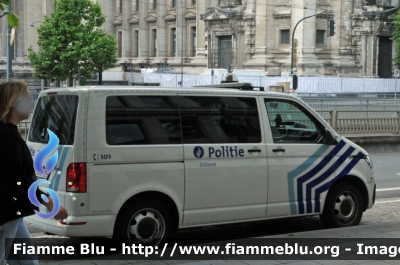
pixel 9 47
pixel 183 17
pixel 396 74
pixel 294 30
pixel 33 23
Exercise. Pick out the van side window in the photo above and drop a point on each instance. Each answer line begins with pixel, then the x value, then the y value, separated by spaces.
pixel 142 120
pixel 219 120
pixel 292 123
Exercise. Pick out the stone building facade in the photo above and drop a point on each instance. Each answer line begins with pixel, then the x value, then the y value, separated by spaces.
pixel 245 34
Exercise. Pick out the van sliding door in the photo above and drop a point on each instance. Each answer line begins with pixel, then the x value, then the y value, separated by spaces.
pixel 226 176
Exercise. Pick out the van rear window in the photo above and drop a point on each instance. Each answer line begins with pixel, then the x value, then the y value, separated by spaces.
pixel 57 113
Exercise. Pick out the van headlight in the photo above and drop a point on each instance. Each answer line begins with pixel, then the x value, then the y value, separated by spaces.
pixel 368 160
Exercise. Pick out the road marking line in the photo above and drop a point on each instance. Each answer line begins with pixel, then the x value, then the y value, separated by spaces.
pixel 388 201
pixel 398 188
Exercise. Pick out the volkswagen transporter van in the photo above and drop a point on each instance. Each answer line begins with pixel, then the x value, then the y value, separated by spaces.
pixel 139 164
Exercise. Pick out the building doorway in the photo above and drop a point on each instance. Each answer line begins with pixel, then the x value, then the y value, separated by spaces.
pixel 385 57
pixel 225 52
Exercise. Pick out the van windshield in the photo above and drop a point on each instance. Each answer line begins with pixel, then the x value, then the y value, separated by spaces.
pixel 57 113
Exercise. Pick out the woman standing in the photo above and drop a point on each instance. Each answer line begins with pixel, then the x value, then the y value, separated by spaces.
pixel 17 172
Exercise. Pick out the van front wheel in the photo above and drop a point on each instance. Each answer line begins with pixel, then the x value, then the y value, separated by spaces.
pixel 145 221
pixel 343 206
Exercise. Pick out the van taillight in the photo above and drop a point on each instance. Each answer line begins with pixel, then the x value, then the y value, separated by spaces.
pixel 76 177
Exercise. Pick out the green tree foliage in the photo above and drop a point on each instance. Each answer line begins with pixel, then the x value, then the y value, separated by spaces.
pixel 11 17
pixel 71 43
pixel 103 51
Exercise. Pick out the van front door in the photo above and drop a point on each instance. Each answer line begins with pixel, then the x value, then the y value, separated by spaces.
pixel 299 163
pixel 226 176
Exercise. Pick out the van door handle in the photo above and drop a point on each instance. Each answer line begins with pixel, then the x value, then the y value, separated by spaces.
pixel 278 150
pixel 254 151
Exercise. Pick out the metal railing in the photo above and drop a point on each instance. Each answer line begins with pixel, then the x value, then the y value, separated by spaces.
pixel 362 122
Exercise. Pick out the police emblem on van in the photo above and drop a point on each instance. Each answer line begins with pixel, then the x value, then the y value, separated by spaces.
pixel 198 152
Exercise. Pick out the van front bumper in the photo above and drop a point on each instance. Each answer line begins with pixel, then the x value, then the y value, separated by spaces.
pixel 77 226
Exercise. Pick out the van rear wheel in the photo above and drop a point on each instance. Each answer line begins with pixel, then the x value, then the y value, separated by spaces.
pixel 146 221
pixel 343 206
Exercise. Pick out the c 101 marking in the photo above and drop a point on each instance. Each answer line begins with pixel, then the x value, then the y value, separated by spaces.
pixel 105 156
pixel 102 157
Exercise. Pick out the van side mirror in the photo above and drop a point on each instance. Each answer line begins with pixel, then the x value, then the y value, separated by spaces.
pixel 328 138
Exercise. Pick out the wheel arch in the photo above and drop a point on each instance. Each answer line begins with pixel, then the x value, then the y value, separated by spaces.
pixel 358 183
pixel 162 197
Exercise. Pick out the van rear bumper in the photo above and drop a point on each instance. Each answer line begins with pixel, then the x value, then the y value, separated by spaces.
pixel 98 225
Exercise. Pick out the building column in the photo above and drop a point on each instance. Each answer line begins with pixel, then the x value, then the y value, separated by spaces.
pixel 367 59
pixel 108 9
pixel 143 30
pixel 19 41
pixel 34 13
pixel 126 29
pixel 260 39
pixel 201 31
pixel 306 49
pixel 240 50
pixel 181 28
pixel 162 45
pixel 305 34
pixel 272 24
pixel 346 60
pixel 296 15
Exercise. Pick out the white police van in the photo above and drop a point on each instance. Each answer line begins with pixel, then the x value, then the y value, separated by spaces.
pixel 141 163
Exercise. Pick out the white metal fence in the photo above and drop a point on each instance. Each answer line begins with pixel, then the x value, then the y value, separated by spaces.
pixel 305 84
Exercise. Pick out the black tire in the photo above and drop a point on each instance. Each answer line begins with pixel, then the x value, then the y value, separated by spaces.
pixel 343 206
pixel 145 221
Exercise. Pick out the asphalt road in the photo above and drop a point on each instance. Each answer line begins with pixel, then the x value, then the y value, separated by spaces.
pixel 387 174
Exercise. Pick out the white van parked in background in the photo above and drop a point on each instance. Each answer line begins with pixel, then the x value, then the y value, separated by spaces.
pixel 140 163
